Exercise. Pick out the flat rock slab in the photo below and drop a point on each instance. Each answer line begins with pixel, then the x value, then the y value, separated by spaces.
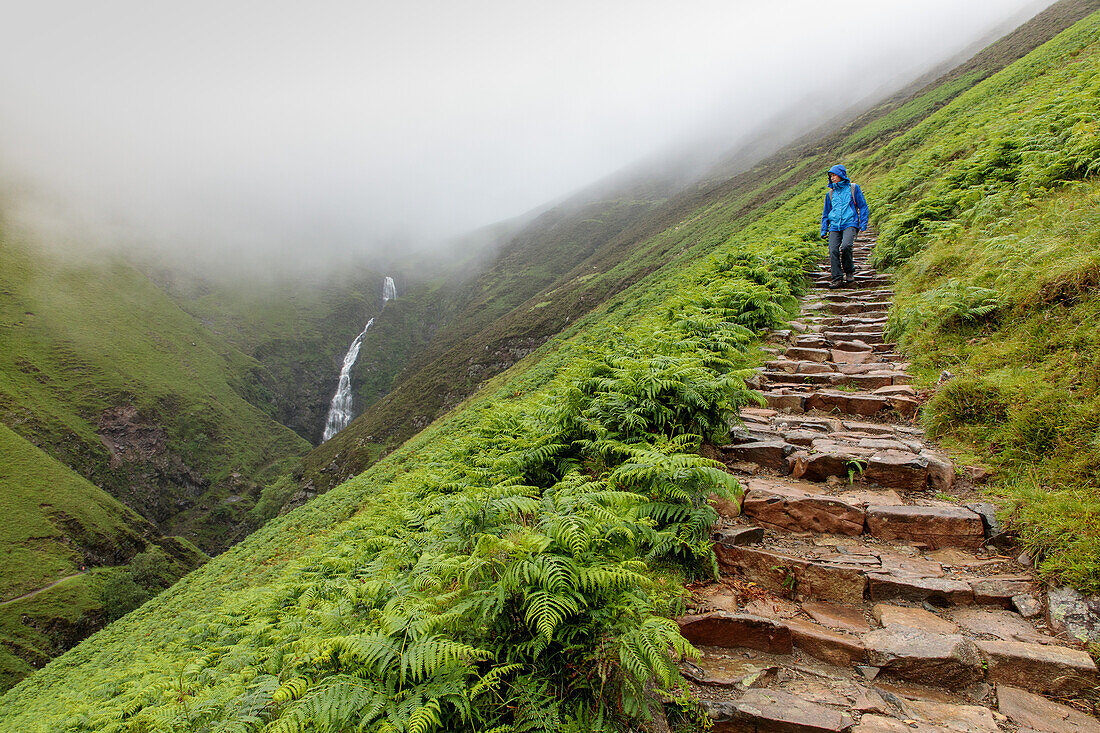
pixel 804 438
pixel 952 717
pixel 884 444
pixel 1042 715
pixel 887 586
pixel 840 356
pixel 736 630
pixel 944 660
pixel 846 402
pixel 936 527
pixel 820 465
pixel 1055 670
pixel 724 671
pixel 785 402
pixel 897 469
pixel 738 535
pixel 882 724
pixel 897 389
pixel 775 710
pixel 865 497
pixel 897 564
pixel 998 591
pixel 794 509
pixel 845 618
pixel 816 422
pixel 914 618
pixel 803 353
pixel 870 428
pixel 832 647
pixel 767 453
pixel 1005 625
pixel 785 574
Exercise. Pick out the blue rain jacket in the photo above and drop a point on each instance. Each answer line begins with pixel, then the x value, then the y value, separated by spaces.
pixel 839 213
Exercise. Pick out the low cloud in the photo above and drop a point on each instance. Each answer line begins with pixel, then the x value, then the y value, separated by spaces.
pixel 300 133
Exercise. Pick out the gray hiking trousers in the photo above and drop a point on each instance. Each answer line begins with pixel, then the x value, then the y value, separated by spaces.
pixel 840 253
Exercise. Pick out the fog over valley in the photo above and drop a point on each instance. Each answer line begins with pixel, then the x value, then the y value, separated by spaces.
pixel 293 134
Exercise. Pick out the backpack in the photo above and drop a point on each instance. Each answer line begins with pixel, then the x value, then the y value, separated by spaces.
pixel 855 206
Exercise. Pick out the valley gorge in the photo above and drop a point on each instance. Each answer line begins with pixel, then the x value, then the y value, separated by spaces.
pixel 622 463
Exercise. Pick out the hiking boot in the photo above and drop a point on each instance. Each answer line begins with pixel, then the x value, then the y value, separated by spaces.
pixel 834 284
pixel 849 278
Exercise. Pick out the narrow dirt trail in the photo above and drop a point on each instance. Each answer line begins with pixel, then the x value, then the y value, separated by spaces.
pixel 33 593
pixel 858 592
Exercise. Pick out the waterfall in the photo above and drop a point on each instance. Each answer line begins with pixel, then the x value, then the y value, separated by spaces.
pixel 339 412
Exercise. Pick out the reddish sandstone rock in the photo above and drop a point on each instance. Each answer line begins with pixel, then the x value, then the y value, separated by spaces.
pixel 845 618
pixel 830 646
pixel 794 509
pixel 936 527
pixel 886 586
pixel 768 453
pixel 897 469
pixel 944 660
pixel 774 710
pixel 1046 668
pixel 914 618
pixel 736 630
pixel 785 402
pixel 1042 715
pixel 785 574
pixel 802 353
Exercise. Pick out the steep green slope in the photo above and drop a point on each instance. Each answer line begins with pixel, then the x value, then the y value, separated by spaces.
pixel 992 215
pixel 56 524
pixel 103 372
pixel 512 564
pixel 636 234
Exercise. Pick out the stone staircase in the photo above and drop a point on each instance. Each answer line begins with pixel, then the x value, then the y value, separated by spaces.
pixel 860 590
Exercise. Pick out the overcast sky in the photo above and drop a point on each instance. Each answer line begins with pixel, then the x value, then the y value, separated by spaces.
pixel 297 129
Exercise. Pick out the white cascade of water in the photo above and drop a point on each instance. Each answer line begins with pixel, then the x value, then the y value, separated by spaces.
pixel 339 412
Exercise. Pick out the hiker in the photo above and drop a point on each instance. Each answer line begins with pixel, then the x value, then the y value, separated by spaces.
pixel 846 214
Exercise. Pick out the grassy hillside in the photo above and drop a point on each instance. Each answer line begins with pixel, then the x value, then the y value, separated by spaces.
pixel 627 235
pixel 515 563
pixel 992 215
pixel 54 525
pixel 105 374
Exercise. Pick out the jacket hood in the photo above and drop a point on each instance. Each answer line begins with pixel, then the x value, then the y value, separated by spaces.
pixel 840 171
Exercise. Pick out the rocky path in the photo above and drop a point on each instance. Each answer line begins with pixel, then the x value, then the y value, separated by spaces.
pixel 858 591
pixel 36 591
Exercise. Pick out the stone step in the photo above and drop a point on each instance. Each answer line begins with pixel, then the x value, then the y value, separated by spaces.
pixel 802 507
pixel 913 646
pixel 849 574
pixel 866 294
pixel 774 710
pixel 807 354
pixel 1035 713
pixel 843 333
pixel 877 280
pixel 864 404
pixel 867 381
pixel 864 308
pixel 877 461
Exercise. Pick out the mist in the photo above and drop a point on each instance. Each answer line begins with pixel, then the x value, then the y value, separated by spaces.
pixel 303 134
